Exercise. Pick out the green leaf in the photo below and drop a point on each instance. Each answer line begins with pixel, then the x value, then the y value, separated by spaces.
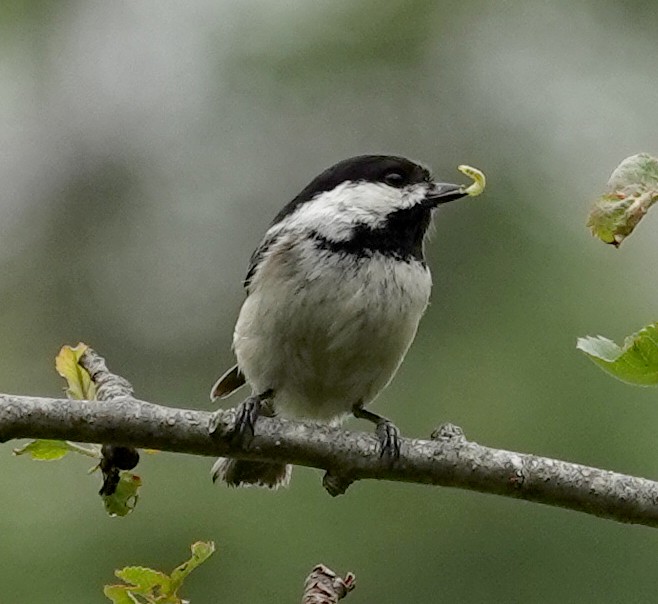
pixel 50 450
pixel 80 386
pixel 44 450
pixel 79 381
pixel 145 585
pixel 636 362
pixel 124 499
pixel 145 581
pixel 631 190
pixel 119 594
pixel 201 551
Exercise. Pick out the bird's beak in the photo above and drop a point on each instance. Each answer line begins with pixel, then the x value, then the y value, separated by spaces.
pixel 442 192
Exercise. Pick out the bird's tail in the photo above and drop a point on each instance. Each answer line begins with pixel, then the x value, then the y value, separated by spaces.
pixel 243 473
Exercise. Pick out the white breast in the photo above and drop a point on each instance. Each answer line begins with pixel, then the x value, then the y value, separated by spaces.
pixel 328 332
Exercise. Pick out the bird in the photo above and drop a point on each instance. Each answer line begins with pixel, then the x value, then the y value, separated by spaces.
pixel 335 292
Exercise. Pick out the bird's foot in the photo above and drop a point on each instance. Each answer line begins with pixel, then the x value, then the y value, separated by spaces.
pixel 246 414
pixel 388 434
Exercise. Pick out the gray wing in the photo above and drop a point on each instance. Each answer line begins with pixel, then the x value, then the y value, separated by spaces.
pixel 257 257
pixel 234 378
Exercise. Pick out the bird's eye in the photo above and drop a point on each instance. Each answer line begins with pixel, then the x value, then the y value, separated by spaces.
pixel 394 179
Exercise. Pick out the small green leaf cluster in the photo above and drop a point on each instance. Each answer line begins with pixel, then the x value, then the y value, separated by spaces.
pixel 630 192
pixel 636 362
pixel 147 586
pixel 80 386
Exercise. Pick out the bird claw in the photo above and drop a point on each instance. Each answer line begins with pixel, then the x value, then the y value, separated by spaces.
pixel 389 436
pixel 246 414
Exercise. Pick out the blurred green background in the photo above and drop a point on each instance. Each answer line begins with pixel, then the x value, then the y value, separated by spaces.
pixel 145 148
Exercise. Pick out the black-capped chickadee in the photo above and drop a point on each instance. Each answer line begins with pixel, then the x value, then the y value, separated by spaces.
pixel 335 291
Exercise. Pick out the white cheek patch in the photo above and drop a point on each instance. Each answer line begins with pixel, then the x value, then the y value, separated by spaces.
pixel 334 213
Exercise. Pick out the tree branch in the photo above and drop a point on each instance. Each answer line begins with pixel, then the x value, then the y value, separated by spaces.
pixel 447 460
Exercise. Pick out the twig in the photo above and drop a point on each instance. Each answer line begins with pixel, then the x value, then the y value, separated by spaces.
pixel 324 586
pixel 110 387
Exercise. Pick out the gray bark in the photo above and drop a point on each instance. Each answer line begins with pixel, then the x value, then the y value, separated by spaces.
pixel 448 459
